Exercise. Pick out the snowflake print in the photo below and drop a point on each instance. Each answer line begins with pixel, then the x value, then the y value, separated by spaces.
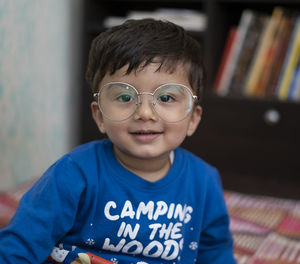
pixel 114 260
pixel 193 245
pixel 90 242
pixel 141 262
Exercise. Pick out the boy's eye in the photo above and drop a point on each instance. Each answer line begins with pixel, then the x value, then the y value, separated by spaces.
pixel 165 98
pixel 125 98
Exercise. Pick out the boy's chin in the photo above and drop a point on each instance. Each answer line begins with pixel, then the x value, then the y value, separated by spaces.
pixel 142 153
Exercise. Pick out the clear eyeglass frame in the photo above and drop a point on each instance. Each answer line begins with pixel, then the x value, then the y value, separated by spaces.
pixel 138 94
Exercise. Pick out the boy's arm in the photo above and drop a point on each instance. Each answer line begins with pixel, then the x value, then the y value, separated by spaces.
pixel 216 242
pixel 45 213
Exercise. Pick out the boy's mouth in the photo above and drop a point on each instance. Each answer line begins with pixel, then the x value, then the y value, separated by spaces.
pixel 146 132
pixel 146 136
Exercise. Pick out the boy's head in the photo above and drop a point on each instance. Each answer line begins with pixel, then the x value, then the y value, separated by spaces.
pixel 146 76
pixel 137 43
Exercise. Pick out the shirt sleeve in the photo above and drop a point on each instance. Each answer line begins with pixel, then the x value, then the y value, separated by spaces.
pixel 216 242
pixel 44 215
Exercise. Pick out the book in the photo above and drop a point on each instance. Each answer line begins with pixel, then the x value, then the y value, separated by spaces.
pixel 189 19
pixel 231 62
pixel 279 57
pixel 296 92
pixel 270 59
pixel 257 25
pixel 256 68
pixel 289 64
pixel 224 58
pixel 292 95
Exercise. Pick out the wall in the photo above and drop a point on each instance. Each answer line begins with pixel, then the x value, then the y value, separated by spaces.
pixel 39 82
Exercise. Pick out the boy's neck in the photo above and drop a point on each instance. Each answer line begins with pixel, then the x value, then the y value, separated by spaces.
pixel 149 169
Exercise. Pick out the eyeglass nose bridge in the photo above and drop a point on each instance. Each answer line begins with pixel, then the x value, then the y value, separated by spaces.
pixel 139 101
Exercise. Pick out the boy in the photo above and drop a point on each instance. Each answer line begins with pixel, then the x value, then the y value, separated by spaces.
pixel 135 197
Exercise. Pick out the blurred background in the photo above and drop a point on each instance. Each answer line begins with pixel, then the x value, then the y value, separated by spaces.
pixel 40 55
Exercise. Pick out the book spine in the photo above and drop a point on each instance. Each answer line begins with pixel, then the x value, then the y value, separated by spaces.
pixel 249 47
pixel 289 63
pixel 260 56
pixel 296 92
pixel 293 86
pixel 271 52
pixel 279 57
pixel 237 45
pixel 226 52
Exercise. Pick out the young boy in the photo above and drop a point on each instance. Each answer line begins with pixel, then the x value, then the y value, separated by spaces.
pixel 135 197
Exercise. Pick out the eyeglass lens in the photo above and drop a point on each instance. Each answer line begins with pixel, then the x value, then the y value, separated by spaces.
pixel 119 101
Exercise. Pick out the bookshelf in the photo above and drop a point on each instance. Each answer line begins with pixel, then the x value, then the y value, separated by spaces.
pixel 254 154
pixel 253 142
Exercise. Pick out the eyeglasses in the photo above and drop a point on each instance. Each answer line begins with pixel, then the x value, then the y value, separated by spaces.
pixel 119 101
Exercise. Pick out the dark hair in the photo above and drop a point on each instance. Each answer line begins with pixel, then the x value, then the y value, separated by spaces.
pixel 137 43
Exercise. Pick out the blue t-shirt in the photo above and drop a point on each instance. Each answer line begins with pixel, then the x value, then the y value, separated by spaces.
pixel 88 202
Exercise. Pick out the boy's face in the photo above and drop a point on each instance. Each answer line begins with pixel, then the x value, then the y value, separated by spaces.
pixel 144 135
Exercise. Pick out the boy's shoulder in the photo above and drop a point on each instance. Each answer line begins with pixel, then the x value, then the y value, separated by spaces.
pixel 88 153
pixel 194 160
pixel 197 167
pixel 89 146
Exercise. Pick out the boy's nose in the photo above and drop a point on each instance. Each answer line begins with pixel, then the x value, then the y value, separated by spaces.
pixel 145 110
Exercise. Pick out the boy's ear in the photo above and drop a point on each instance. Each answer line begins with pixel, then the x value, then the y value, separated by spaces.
pixel 97 116
pixel 195 120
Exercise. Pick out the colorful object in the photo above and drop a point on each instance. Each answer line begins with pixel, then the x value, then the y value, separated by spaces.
pixel 89 258
pixel 266 229
pixel 59 255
